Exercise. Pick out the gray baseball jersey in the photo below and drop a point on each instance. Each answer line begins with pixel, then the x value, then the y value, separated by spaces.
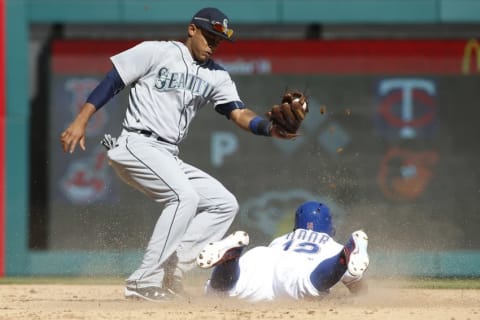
pixel 169 87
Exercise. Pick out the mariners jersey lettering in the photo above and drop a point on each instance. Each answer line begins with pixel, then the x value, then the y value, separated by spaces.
pixel 168 81
pixel 168 87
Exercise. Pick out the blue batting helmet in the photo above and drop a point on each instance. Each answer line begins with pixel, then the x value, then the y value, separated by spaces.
pixel 315 216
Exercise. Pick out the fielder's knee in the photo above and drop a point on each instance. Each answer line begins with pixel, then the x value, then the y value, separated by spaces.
pixel 189 198
pixel 231 205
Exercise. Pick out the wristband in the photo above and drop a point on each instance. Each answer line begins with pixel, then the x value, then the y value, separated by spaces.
pixel 260 126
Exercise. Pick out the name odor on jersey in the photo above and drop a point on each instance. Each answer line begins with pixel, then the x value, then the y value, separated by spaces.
pixel 309 236
pixel 167 80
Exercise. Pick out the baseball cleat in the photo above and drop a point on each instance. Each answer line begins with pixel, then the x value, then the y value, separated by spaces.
pixel 155 294
pixel 172 282
pixel 356 253
pixel 174 286
pixel 220 251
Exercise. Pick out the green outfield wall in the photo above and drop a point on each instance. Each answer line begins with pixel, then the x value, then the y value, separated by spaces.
pixel 442 250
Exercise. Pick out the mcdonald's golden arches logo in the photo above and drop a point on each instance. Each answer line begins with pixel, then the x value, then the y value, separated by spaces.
pixel 472 47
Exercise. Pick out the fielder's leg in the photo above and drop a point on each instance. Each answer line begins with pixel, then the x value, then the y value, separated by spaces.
pixel 217 208
pixel 154 169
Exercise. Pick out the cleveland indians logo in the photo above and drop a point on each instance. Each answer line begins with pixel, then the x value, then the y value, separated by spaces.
pixel 86 179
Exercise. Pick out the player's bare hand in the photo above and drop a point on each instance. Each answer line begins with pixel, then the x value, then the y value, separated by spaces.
pixel 73 135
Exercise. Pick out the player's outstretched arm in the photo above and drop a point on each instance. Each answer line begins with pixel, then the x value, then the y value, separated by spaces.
pixel 249 121
pixel 75 133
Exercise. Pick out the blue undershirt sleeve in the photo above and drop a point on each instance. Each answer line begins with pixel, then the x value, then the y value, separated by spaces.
pixel 227 108
pixel 328 273
pixel 106 89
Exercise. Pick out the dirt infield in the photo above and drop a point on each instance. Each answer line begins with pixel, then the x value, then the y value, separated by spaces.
pixel 384 300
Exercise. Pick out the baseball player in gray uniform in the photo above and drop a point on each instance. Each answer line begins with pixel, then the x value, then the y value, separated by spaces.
pixel 169 83
pixel 304 263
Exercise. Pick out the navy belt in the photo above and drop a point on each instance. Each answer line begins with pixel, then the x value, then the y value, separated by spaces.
pixel 148 134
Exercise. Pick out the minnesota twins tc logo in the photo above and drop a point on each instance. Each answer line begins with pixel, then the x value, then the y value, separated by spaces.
pixel 406 108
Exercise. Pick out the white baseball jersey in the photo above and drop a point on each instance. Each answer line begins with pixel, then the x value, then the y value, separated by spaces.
pixel 169 87
pixel 283 268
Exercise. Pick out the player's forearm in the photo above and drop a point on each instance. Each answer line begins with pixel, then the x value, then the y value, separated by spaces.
pixel 75 133
pixel 86 112
pixel 248 120
pixel 242 117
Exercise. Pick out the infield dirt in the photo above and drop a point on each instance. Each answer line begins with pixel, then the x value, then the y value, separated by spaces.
pixel 384 300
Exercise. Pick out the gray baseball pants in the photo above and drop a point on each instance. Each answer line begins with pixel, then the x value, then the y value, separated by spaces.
pixel 194 208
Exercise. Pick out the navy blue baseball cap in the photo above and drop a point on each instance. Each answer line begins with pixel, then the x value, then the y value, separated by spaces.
pixel 214 21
